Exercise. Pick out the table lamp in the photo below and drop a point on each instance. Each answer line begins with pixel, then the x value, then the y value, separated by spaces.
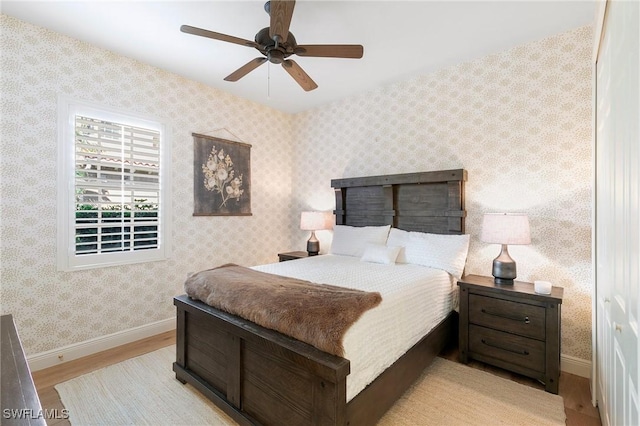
pixel 315 221
pixel 505 229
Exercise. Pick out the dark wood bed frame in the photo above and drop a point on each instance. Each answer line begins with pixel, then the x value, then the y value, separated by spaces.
pixel 259 376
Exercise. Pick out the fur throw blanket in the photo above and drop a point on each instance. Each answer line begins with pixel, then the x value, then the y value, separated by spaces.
pixel 318 314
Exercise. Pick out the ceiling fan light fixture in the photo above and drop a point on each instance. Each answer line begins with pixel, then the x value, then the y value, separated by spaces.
pixel 275 56
pixel 276 43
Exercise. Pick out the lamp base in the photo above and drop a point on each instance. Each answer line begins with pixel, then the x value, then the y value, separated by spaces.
pixel 313 245
pixel 504 268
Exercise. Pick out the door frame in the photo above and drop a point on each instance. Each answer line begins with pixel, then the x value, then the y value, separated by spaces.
pixel 600 15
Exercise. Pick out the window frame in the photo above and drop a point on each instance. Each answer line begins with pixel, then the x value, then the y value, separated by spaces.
pixel 67 259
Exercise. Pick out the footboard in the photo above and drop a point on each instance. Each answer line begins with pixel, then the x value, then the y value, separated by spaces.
pixel 256 375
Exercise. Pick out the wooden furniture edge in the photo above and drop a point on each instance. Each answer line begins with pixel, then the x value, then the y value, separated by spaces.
pixel 552 348
pixel 292 255
pixel 403 178
pixel 517 287
pixel 18 391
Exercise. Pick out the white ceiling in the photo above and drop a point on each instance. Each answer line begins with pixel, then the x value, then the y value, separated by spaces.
pixel 400 38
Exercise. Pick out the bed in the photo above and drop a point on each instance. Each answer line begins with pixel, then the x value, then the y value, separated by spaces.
pixel 259 376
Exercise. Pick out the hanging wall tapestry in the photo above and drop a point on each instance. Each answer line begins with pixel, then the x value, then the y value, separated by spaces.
pixel 222 177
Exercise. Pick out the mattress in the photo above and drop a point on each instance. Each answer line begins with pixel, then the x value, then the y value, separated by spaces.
pixel 415 299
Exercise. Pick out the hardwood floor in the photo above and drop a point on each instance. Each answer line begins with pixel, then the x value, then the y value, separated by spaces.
pixel 574 390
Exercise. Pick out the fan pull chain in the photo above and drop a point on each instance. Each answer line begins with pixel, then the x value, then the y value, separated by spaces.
pixel 268 79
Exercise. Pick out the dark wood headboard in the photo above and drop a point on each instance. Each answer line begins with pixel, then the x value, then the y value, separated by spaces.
pixel 424 202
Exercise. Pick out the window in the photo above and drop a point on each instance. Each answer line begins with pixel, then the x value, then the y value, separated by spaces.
pixel 112 188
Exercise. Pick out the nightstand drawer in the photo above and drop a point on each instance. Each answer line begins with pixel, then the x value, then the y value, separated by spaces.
pixel 507 347
pixel 513 317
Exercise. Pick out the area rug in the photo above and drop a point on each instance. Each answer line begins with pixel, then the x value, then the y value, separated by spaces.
pixel 144 391
pixel 449 393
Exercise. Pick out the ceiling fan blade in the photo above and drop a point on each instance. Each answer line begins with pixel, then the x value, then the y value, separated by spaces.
pixel 354 51
pixel 299 75
pixel 217 36
pixel 245 69
pixel 281 12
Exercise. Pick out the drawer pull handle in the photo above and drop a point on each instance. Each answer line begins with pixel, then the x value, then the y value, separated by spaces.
pixel 519 352
pixel 511 317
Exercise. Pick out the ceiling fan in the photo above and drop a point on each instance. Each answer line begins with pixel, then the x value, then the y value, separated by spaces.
pixel 276 43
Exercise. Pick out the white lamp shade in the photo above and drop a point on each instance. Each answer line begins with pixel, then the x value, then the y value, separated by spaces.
pixel 506 228
pixel 316 221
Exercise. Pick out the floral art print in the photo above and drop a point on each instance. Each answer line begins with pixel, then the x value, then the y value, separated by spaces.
pixel 221 177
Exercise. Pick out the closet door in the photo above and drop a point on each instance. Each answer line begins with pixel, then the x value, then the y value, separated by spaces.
pixel 617 214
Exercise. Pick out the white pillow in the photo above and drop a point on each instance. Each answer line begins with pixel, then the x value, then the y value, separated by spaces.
pixel 446 252
pixel 379 253
pixel 352 240
pixel 399 238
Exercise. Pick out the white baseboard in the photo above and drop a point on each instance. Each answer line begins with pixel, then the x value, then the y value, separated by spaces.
pixel 88 347
pixel 578 366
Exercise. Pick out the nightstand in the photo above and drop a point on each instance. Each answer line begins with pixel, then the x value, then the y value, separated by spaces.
pixel 511 327
pixel 283 257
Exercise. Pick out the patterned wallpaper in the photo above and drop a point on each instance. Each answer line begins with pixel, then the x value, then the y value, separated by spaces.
pixel 519 122
pixel 53 309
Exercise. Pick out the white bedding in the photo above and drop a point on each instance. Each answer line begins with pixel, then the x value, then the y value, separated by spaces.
pixel 414 300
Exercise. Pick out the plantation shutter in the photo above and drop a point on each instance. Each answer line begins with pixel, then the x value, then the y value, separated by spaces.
pixel 117 187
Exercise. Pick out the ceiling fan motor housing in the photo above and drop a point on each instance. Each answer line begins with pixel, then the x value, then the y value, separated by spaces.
pixel 275 52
